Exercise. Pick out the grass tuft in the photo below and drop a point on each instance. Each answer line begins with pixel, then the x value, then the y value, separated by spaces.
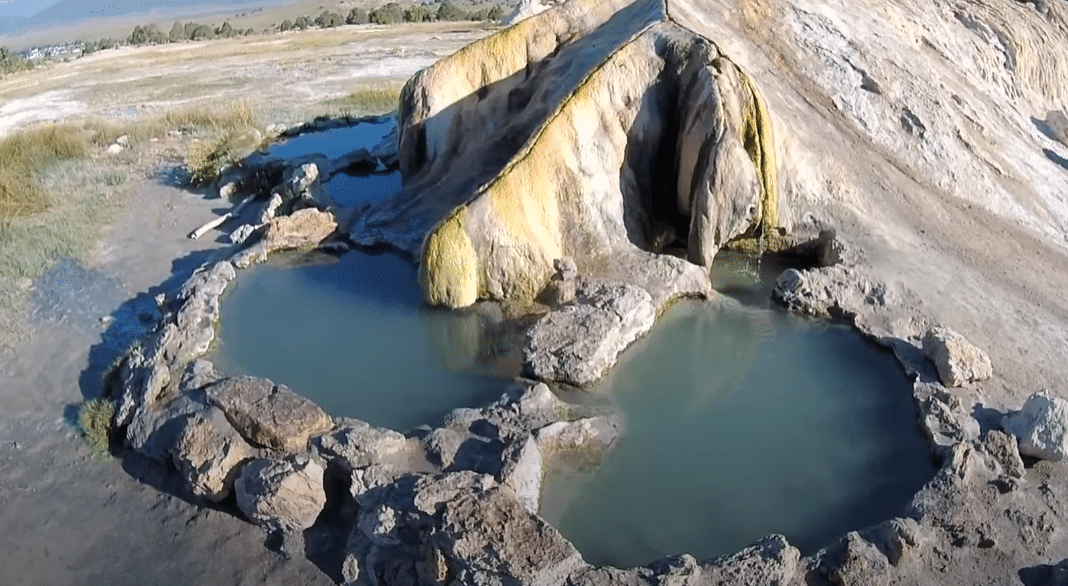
pixel 375 99
pixel 206 158
pixel 95 420
pixel 24 155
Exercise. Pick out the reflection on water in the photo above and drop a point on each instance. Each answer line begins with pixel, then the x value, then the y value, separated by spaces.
pixel 334 143
pixel 742 422
pixel 351 190
pixel 352 335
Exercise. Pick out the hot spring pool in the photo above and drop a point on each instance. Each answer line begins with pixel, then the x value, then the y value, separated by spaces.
pixel 741 422
pixel 351 334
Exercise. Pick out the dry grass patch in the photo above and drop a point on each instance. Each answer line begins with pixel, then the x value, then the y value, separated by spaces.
pixel 24 155
pixel 204 117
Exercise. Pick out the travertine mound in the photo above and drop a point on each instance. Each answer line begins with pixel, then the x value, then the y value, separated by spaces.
pixel 603 131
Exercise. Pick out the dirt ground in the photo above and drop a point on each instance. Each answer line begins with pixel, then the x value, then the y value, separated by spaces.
pixel 70 518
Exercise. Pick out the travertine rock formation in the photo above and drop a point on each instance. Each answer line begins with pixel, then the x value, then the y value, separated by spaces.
pixel 603 131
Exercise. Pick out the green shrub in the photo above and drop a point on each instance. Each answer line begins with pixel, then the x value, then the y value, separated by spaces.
pixel 450 11
pixel 358 16
pixel 96 422
pixel 391 13
pixel 12 62
pixel 329 19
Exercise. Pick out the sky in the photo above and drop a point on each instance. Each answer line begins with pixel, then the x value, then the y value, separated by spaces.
pixel 24 7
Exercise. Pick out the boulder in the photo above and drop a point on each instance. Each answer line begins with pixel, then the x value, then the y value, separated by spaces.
pixel 1005 450
pixel 285 495
pixel 1041 427
pixel 304 228
pixel 772 561
pixel 268 415
pixel 198 374
pixel 863 565
pixel 1057 121
pixel 441 446
pixel 270 208
pixel 577 343
pixel 521 470
pixel 357 445
pixel 484 535
pixel 242 233
pixel 208 452
pixel 154 427
pixel 958 361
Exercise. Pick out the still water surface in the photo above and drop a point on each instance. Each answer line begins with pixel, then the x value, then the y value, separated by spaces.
pixel 743 421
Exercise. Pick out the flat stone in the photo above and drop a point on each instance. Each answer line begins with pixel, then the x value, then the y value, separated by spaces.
pixel 578 343
pixel 958 361
pixel 357 444
pixel 1041 427
pixel 304 228
pixel 268 415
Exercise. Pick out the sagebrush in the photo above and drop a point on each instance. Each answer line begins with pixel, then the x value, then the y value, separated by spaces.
pixel 96 421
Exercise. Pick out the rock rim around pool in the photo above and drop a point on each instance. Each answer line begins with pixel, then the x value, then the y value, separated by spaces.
pixel 438 517
pixel 481 463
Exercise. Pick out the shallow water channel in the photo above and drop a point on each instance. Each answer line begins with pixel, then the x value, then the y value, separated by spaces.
pixel 742 421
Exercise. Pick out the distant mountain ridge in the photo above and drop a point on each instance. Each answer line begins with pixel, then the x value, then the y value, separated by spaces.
pixel 10 23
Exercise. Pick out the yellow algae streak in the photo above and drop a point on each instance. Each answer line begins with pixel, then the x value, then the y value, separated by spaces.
pixel 760 145
pixel 448 271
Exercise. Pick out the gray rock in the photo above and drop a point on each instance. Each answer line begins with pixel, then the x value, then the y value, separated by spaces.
pixel 242 233
pixel 442 444
pixel 958 361
pixel 863 565
pixel 123 141
pixel 772 561
pixel 142 378
pixel 1057 121
pixel 834 291
pixel 945 417
pixel 153 429
pixel 208 452
pixel 521 470
pixel 591 434
pixel 284 495
pixel 268 415
pixel 304 228
pixel 115 149
pixel 375 476
pixel 1041 427
pixel 198 374
pixel 356 444
pixel 470 539
pixel 299 179
pixel 247 257
pixel 270 208
pixel 1005 450
pixel 576 344
pixel 566 269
